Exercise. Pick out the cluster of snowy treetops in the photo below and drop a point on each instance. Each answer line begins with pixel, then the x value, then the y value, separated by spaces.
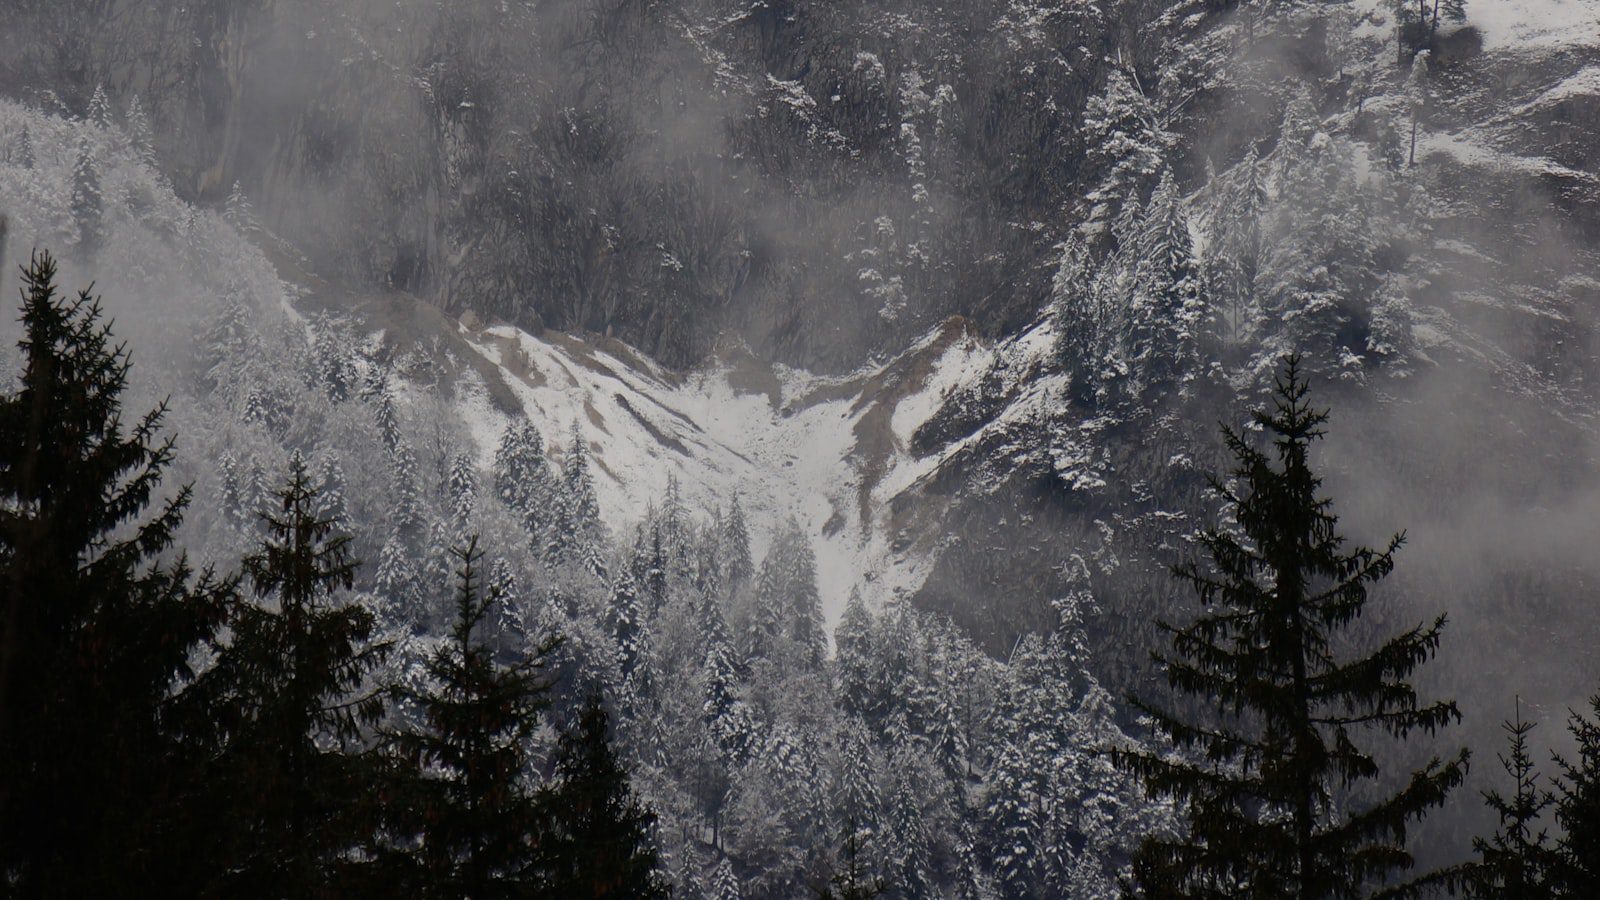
pixel 714 665
pixel 1310 241
pixel 629 719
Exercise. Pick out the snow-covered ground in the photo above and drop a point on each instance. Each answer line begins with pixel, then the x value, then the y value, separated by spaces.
pixel 790 444
pixel 1535 24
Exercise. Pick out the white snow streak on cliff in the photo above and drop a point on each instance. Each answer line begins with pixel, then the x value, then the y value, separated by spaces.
pixel 793 457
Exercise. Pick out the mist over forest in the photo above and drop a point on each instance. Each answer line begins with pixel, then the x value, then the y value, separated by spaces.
pixel 776 449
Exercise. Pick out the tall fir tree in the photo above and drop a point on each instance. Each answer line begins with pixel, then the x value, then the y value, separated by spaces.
pixel 1417 91
pixel 94 635
pixel 1127 138
pixel 626 620
pixel 480 819
pixel 855 663
pixel 409 516
pixel 1241 247
pixel 224 349
pixel 600 842
pixel 140 135
pixel 463 486
pixel 1516 858
pixel 239 212
pixel 1576 869
pixel 397 581
pixel 333 366
pixel 1079 321
pixel 99 111
pixel 719 667
pixel 86 204
pixel 787 608
pixel 581 505
pixel 22 151
pixel 1268 813
pixel 331 502
pixel 735 548
pixel 522 477
pixel 908 859
pixel 1169 319
pixel 295 703
pixel 386 413
pixel 857 804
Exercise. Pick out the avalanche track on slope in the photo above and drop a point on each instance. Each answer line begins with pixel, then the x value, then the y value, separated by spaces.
pixel 830 452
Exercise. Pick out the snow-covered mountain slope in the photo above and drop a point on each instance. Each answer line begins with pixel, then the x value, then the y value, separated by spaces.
pixel 832 453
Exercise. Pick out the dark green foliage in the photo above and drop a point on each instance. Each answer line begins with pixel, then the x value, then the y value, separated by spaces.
pixel 1576 872
pixel 293 706
pixel 599 843
pixel 1266 780
pixel 1516 858
pixel 93 636
pixel 479 819
pixel 852 881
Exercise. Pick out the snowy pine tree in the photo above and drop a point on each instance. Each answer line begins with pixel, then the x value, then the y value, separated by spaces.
pixel 386 413
pixel 1169 320
pixel 139 133
pixel 463 490
pixel 1126 137
pixel 859 687
pixel 858 808
pixel 331 503
pixel 22 150
pixel 787 605
pixel 396 578
pixel 1418 97
pixel 1239 255
pixel 237 510
pixel 100 107
pixel 582 504
pixel 229 341
pixel 239 212
pixel 335 370
pixel 908 854
pixel 724 882
pixel 86 204
pixel 409 520
pixel 734 546
pixel 625 618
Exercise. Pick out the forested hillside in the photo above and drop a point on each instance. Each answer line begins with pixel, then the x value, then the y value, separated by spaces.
pixel 791 449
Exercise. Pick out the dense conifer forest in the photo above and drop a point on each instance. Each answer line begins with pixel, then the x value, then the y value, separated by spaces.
pixel 799 449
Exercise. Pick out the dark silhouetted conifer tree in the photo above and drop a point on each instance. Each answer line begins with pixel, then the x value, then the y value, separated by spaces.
pixel 94 636
pixel 1516 858
pixel 295 705
pixel 599 845
pixel 1265 781
pixel 479 820
pixel 1576 872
